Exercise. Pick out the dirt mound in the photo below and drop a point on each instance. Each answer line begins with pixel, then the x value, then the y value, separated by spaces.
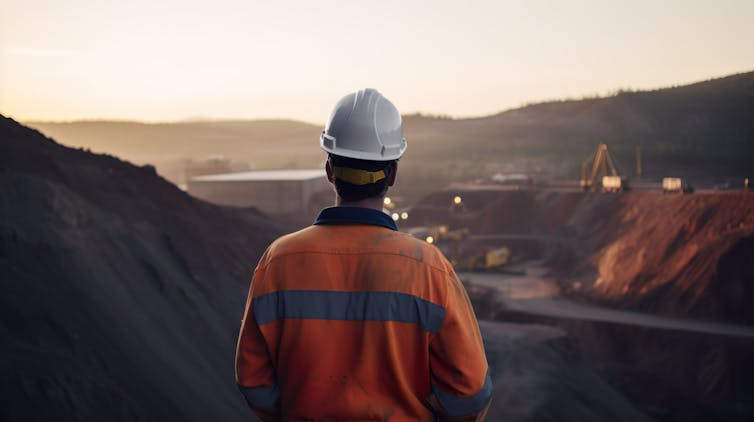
pixel 493 211
pixel 682 254
pixel 121 295
pixel 527 212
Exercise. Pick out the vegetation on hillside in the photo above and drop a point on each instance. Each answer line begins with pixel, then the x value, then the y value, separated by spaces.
pixel 700 131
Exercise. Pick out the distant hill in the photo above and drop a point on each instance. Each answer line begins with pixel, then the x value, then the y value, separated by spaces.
pixel 168 146
pixel 120 295
pixel 252 140
pixel 703 130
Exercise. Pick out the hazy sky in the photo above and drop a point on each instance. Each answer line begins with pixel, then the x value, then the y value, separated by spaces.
pixel 170 60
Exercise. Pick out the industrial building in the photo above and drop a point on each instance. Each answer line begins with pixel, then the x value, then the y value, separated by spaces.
pixel 274 192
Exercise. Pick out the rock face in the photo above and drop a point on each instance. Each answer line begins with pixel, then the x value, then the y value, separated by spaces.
pixel 121 295
pixel 674 254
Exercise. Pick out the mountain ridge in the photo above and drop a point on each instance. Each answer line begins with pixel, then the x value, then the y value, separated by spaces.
pixel 701 131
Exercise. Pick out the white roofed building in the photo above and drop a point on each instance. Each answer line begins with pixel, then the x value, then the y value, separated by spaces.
pixel 274 192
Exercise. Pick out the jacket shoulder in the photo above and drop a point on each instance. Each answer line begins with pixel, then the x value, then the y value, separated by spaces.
pixel 357 239
pixel 420 250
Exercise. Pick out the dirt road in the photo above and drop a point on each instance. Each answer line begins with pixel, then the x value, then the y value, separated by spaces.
pixel 536 294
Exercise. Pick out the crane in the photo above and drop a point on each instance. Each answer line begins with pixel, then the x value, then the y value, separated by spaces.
pixel 600 162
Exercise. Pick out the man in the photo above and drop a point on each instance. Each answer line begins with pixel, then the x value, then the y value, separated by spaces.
pixel 349 319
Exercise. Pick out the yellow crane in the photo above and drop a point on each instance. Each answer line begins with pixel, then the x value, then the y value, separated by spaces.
pixel 600 162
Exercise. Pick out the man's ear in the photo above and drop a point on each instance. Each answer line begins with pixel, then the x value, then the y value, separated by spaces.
pixel 328 170
pixel 391 178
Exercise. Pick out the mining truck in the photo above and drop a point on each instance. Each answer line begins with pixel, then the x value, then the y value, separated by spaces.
pixel 675 185
pixel 612 184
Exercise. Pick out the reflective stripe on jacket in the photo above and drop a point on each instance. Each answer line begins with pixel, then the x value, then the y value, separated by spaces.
pixel 350 319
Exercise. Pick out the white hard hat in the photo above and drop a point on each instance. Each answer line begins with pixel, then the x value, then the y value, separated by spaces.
pixel 366 126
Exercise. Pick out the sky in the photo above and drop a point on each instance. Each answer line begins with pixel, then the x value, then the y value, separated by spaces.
pixel 171 60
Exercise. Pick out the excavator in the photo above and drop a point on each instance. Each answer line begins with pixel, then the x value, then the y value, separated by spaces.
pixel 451 243
pixel 600 162
pixel 490 260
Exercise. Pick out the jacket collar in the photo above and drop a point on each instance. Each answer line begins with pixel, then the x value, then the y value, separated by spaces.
pixel 355 215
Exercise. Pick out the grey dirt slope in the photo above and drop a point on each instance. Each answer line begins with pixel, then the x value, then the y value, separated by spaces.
pixel 120 295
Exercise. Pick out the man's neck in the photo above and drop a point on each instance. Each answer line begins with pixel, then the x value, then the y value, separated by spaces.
pixel 373 202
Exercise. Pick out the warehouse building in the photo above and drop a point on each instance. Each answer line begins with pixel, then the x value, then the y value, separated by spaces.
pixel 274 192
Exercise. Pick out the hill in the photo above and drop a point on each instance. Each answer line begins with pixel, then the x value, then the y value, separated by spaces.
pixel 701 131
pixel 121 295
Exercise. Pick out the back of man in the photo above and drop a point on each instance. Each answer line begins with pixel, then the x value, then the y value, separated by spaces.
pixel 350 319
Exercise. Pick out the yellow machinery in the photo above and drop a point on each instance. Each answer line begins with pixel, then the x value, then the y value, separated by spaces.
pixel 497 257
pixel 600 162
pixel 451 243
pixel 491 260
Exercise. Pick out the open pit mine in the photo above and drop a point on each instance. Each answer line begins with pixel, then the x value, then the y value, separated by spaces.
pixel 121 294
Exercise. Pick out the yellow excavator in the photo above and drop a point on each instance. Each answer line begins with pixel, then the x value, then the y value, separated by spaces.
pixel 600 162
pixel 451 243
pixel 490 260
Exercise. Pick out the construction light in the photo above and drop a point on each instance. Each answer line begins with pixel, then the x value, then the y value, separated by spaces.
pixel 430 239
pixel 396 216
pixel 404 215
pixel 457 200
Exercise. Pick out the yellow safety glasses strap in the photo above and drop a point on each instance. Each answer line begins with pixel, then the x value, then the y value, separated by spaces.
pixel 357 176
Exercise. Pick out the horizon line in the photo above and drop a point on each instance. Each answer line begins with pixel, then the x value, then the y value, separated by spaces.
pixel 445 116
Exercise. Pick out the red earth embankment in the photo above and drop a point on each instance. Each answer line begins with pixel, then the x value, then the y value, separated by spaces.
pixel 687 255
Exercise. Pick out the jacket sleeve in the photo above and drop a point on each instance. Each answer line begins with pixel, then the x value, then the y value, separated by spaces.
pixel 255 374
pixel 459 373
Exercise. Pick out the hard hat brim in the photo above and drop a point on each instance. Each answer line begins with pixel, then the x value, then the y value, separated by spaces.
pixel 387 153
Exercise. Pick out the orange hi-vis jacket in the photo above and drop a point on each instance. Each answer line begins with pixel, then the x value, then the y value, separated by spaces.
pixel 349 319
